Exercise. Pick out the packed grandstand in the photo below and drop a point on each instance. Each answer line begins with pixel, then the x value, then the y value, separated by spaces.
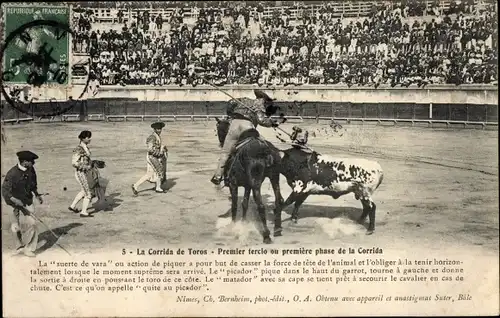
pixel 290 43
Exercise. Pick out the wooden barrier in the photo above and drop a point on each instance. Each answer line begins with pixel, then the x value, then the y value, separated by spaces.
pixel 444 104
pixel 17 120
pixel 348 120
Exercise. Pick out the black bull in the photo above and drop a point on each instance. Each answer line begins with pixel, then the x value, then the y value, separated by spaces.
pixel 313 174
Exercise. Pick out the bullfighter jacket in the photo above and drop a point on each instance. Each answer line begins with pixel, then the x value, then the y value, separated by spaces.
pixel 81 158
pixel 154 145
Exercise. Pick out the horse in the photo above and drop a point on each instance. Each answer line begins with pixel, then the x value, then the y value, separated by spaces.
pixel 310 173
pixel 253 160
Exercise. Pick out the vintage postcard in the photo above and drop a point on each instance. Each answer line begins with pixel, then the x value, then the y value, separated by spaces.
pixel 250 158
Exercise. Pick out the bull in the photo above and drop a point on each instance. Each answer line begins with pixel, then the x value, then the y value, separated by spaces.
pixel 311 173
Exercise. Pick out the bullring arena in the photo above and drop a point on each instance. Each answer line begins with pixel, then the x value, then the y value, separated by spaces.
pixel 440 188
pixel 437 145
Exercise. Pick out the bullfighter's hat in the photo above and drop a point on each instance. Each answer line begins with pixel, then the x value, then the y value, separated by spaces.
pixel 158 125
pixel 85 134
pixel 260 94
pixel 26 155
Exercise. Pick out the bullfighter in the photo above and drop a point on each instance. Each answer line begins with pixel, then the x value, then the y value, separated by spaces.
pixel 82 163
pixel 246 114
pixel 299 139
pixel 156 159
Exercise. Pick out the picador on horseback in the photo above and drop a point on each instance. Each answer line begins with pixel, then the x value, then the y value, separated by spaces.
pixel 245 113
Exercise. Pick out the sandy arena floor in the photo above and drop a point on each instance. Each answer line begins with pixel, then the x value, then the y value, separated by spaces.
pixel 440 189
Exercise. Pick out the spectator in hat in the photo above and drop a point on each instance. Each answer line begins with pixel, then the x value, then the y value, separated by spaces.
pixel 156 159
pixel 17 189
pixel 83 164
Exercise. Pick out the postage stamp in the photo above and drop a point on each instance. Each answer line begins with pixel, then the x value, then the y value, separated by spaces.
pixel 36 77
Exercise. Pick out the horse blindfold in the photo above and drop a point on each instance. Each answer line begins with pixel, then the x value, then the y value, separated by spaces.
pixel 271 110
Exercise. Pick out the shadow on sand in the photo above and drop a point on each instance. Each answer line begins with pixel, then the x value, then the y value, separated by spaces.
pixel 112 201
pixel 266 198
pixel 50 239
pixel 305 210
pixel 167 185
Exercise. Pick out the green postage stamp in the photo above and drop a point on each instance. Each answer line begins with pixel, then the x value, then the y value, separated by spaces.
pixel 37 46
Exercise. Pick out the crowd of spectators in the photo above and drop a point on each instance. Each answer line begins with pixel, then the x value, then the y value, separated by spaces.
pixel 401 44
pixel 169 4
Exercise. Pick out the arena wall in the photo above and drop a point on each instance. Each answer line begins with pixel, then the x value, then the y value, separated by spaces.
pixel 472 94
pixel 446 103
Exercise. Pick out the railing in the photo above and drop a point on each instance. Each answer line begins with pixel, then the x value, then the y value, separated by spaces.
pixel 378 113
pixel 394 121
pixel 341 9
pixel 17 120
